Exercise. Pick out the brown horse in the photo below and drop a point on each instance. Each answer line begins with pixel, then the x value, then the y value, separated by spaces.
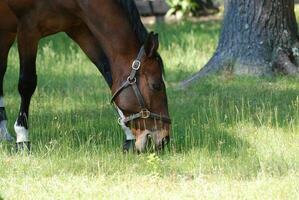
pixel 111 34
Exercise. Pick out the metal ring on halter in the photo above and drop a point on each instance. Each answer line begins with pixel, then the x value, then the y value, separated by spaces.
pixel 136 65
pixel 131 81
pixel 145 113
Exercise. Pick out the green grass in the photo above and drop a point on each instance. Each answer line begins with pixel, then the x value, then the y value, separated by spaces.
pixel 232 137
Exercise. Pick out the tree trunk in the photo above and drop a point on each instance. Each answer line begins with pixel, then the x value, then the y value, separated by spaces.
pixel 259 37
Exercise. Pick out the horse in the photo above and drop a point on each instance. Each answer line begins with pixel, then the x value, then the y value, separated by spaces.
pixel 111 34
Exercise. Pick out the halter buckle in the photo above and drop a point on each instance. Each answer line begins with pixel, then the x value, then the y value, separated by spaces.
pixel 131 81
pixel 145 113
pixel 136 65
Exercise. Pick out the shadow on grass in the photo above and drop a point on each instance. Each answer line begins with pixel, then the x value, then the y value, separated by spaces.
pixel 97 129
pixel 206 115
pixel 210 139
pixel 272 102
pixel 84 127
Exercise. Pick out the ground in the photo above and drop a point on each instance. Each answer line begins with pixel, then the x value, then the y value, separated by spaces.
pixel 232 137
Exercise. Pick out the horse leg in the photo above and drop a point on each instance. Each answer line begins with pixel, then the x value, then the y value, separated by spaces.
pixel 27 45
pixel 90 45
pixel 6 41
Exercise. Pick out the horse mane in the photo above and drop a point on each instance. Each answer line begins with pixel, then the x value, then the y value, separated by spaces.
pixel 133 15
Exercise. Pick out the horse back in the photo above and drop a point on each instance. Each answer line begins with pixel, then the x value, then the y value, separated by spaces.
pixel 48 16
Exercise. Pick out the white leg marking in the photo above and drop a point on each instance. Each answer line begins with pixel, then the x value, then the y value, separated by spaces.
pixel 1 102
pixel 127 130
pixel 4 134
pixel 22 133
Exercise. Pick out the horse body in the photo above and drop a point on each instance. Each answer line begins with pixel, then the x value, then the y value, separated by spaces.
pixel 102 29
pixel 8 21
pixel 46 17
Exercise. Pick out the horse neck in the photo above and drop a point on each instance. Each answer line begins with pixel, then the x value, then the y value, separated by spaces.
pixel 121 56
pixel 113 29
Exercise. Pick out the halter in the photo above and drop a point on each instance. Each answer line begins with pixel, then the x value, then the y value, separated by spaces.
pixel 131 81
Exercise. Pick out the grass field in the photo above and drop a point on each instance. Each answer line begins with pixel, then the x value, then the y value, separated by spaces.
pixel 233 137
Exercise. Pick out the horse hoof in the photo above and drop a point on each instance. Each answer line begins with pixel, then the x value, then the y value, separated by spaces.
pixel 129 144
pixel 23 147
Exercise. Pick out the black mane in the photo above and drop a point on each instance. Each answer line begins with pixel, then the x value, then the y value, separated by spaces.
pixel 132 12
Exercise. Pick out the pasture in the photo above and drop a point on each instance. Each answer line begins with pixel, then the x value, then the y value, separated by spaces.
pixel 232 137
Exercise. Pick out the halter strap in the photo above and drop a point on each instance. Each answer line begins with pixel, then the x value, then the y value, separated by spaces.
pixel 132 82
pixel 145 114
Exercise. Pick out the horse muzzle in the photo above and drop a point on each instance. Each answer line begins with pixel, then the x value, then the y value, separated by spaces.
pixel 148 140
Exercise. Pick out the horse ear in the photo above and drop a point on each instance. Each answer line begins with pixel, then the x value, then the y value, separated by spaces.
pixel 151 44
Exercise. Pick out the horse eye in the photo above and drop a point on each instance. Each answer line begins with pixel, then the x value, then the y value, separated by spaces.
pixel 157 86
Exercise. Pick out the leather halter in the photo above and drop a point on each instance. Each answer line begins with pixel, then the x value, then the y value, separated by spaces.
pixel 132 82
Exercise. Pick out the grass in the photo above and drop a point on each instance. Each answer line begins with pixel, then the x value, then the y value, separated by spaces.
pixel 232 137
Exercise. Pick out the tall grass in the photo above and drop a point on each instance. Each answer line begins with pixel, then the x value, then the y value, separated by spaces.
pixel 232 137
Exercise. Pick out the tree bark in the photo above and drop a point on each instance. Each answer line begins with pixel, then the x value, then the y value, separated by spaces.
pixel 258 37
